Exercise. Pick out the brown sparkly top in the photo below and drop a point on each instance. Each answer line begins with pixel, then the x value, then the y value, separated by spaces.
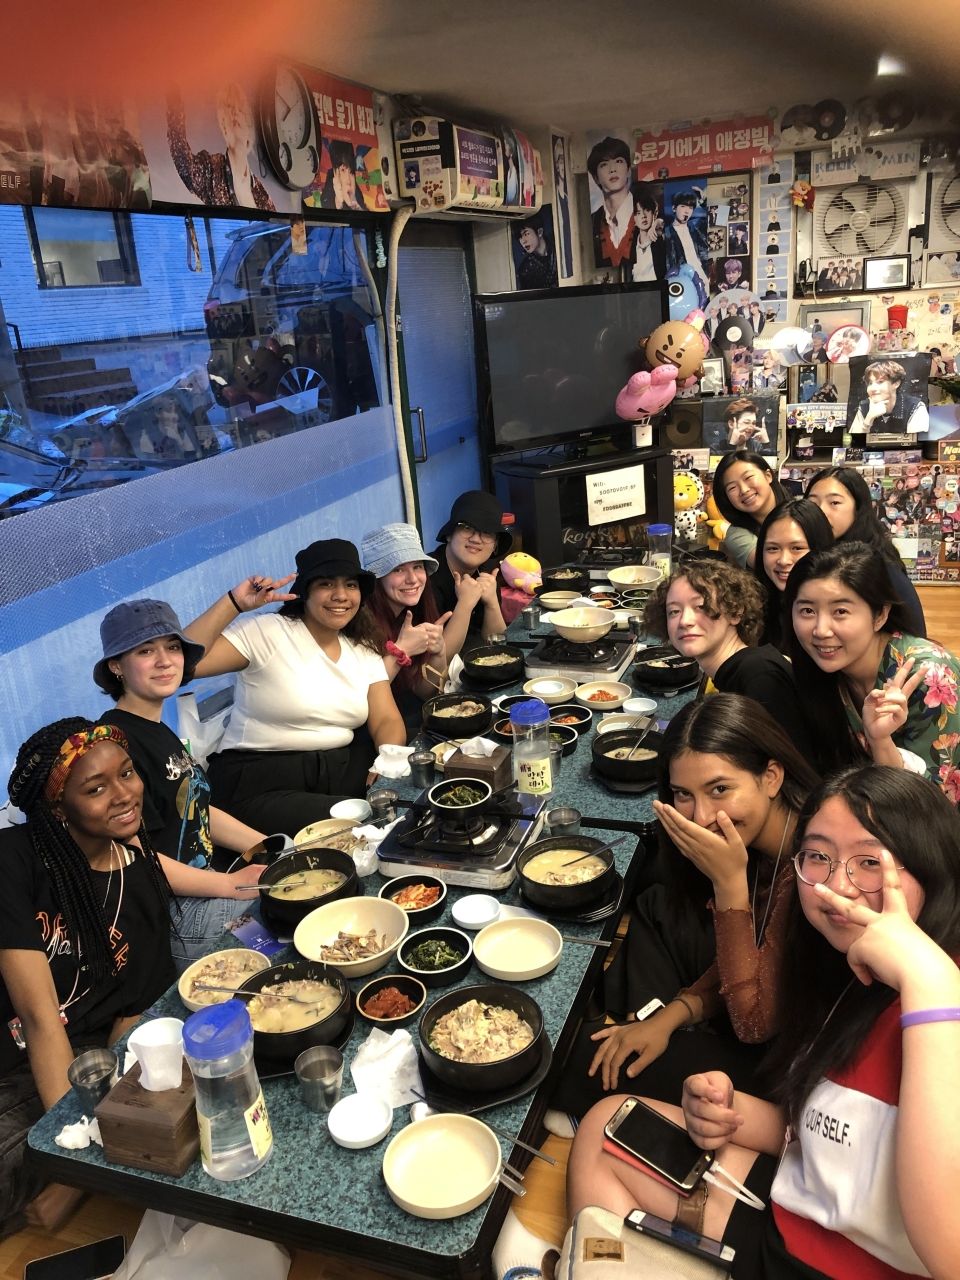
pixel 744 976
pixel 208 176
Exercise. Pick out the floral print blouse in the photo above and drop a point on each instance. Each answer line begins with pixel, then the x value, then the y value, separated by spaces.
pixel 932 729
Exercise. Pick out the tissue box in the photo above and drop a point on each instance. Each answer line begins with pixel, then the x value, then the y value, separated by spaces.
pixel 496 769
pixel 153 1131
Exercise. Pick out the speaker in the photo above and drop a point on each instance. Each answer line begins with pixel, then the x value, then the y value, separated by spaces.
pixel 684 430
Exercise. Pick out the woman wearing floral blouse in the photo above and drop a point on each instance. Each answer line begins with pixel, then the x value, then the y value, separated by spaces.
pixel 872 689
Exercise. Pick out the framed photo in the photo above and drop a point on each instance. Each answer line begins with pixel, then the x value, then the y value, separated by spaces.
pixel 941 268
pixel 881 274
pixel 827 316
pixel 712 381
pixel 802 382
pixel 742 422
pixel 839 274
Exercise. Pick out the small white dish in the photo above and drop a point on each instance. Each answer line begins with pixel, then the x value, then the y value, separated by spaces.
pixel 354 810
pixel 518 950
pixel 476 911
pixel 640 706
pixel 551 689
pixel 360 1120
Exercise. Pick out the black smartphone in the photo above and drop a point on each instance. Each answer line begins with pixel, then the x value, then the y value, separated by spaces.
pixel 649 1224
pixel 96 1261
pixel 665 1149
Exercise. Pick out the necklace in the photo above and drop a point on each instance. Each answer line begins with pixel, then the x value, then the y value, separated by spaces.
pixel 758 933
pixel 117 853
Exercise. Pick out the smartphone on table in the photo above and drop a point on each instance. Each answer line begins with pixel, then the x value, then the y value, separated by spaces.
pixel 671 1233
pixel 96 1261
pixel 656 1145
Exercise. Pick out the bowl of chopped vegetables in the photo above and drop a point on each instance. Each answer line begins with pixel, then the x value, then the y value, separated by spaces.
pixel 356 935
pixel 438 956
pixel 603 695
pixel 456 801
pixel 392 1000
pixel 422 897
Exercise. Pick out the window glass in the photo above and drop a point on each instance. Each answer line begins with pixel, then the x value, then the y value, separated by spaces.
pixel 196 356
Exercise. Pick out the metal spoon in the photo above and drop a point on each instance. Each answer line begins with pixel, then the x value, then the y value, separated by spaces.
pixel 643 734
pixel 592 852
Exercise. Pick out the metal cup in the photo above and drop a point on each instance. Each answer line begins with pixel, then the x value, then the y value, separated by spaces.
pixel 320 1074
pixel 423 765
pixel 383 803
pixel 562 820
pixel 93 1074
pixel 531 616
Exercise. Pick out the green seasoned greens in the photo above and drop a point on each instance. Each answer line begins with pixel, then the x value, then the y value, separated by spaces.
pixel 456 797
pixel 432 954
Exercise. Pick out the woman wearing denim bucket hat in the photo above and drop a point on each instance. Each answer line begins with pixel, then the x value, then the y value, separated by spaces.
pixel 472 543
pixel 404 607
pixel 307 677
pixel 146 658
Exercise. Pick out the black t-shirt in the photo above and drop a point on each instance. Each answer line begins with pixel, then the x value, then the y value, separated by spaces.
pixel 445 594
pixel 31 920
pixel 765 675
pixel 176 793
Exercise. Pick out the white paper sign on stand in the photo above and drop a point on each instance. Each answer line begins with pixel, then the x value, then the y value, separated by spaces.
pixel 616 495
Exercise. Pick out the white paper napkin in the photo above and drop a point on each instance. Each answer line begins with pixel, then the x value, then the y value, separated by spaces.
pixel 478 747
pixel 393 761
pixel 387 1065
pixel 74 1137
pixel 454 672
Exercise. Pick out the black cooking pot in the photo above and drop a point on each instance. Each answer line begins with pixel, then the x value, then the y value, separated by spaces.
pixel 563 897
pixel 458 726
pixel 482 1077
pixel 579 579
pixel 284 914
pixel 283 1046
pixel 662 667
pixel 458 814
pixel 498 674
pixel 641 769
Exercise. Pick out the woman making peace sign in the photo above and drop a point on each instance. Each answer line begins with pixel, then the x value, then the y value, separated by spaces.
pixel 872 688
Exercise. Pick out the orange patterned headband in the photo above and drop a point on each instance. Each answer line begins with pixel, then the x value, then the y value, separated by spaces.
pixel 77 745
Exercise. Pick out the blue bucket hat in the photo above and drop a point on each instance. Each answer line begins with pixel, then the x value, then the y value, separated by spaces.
pixel 383 550
pixel 134 623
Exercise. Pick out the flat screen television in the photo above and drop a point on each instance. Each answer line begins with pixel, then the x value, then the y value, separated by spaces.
pixel 552 361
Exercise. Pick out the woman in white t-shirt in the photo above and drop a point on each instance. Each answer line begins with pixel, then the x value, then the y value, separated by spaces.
pixel 307 677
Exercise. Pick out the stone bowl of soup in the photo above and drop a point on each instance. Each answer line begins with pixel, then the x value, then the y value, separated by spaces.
pixel 565 577
pixel 296 883
pixel 482 1038
pixel 547 883
pixel 662 667
pixel 491 664
pixel 321 1014
pixel 614 756
pixel 457 715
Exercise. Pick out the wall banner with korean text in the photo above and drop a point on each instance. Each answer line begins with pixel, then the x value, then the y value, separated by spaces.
pixel 714 146
pixel 348 176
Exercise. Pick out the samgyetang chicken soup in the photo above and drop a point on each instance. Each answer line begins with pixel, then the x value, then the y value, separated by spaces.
pixel 548 868
pixel 270 1011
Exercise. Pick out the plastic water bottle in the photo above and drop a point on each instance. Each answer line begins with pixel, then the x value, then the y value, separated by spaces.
pixel 235 1135
pixel 659 540
pixel 531 747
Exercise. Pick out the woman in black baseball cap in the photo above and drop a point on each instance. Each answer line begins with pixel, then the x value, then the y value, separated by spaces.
pixel 308 676
pixel 472 543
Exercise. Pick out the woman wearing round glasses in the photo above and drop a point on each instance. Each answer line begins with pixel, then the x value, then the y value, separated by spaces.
pixel 864 1070
pixel 872 687
pixel 472 543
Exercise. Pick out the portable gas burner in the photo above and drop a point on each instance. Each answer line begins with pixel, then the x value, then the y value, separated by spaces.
pixel 480 853
pixel 605 659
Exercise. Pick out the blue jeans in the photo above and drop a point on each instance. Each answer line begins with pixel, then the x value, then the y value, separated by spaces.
pixel 198 928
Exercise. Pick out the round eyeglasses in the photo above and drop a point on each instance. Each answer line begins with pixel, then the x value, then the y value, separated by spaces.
pixel 865 871
pixel 470 531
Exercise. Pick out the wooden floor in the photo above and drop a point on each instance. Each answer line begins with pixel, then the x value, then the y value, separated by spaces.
pixel 542 1211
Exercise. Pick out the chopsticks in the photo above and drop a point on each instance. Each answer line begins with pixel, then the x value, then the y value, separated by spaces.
pixel 504 1133
pixel 589 853
pixel 587 942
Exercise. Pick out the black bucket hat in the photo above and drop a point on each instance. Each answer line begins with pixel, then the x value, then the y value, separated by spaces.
pixel 481 511
pixel 134 623
pixel 331 558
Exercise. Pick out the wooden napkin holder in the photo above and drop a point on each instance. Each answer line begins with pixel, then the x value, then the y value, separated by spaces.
pixel 496 769
pixel 152 1131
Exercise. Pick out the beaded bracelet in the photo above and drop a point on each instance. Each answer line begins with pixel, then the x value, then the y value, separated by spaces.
pixel 929 1015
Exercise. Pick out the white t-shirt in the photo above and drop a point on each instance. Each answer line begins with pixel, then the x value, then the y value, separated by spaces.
pixel 291 696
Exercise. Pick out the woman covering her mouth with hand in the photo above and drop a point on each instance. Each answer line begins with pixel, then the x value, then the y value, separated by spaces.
pixel 307 677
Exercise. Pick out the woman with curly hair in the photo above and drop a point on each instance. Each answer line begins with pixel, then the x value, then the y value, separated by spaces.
pixel 84 931
pixel 308 676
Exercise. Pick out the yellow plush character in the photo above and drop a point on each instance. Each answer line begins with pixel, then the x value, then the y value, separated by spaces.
pixel 687 496
pixel 717 525
pixel 521 572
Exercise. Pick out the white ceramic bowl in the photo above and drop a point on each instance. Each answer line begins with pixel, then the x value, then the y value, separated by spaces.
pixel 556 599
pixel 640 706
pixel 634 575
pixel 354 810
pixel 254 962
pixel 551 689
pixel 620 691
pixel 360 1120
pixel 352 915
pixel 584 624
pixel 517 950
pixel 476 911
pixel 463 1149
pixel 620 720
pixel 317 832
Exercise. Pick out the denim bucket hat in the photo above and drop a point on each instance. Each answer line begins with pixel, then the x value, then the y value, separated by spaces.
pixel 383 550
pixel 134 623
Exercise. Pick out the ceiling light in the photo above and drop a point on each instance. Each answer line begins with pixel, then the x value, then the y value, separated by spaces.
pixel 888 65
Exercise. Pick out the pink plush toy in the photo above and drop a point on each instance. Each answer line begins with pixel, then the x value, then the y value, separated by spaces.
pixel 522 572
pixel 647 393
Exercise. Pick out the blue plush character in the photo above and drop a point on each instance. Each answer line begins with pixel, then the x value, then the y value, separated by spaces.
pixel 685 290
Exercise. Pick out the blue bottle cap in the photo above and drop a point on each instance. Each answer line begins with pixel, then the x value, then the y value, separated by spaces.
pixel 217 1031
pixel 533 711
pixel 658 529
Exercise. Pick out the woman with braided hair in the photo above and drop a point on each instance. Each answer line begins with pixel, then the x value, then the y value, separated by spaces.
pixel 84 927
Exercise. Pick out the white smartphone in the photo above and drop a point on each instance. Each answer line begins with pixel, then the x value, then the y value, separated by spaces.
pixel 673 1234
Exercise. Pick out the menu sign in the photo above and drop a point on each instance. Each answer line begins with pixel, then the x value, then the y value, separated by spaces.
pixel 615 495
